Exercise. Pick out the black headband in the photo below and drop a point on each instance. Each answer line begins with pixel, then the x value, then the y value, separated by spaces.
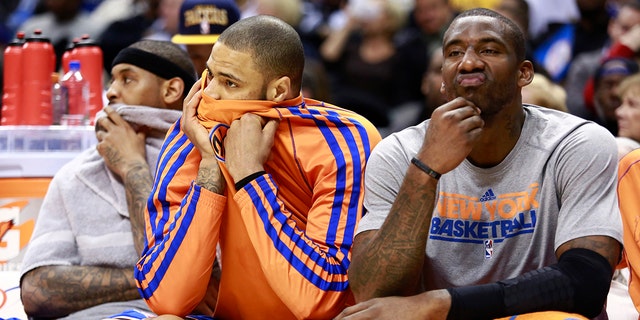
pixel 157 65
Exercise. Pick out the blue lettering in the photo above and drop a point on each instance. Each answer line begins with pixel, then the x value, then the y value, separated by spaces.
pixel 483 230
pixel 494 229
pixel 499 229
pixel 435 225
pixel 470 229
pixel 447 227
pixel 458 228
pixel 523 222
pixel 533 218
pixel 507 227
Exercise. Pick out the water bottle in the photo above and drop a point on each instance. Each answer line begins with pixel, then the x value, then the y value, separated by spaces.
pixel 39 62
pixel 58 98
pixel 76 89
pixel 12 81
pixel 89 54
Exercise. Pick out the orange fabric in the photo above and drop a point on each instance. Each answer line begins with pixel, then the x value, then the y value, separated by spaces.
pixel 546 315
pixel 629 202
pixel 285 237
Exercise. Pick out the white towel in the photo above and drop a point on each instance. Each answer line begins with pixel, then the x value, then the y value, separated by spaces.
pixel 94 172
pixel 83 219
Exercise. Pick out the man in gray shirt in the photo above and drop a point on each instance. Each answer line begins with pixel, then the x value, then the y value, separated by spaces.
pixel 491 208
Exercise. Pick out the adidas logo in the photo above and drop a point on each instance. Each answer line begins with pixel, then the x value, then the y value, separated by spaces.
pixel 489 195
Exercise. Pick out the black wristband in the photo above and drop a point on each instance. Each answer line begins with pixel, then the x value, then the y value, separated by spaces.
pixel 425 168
pixel 240 184
pixel 476 302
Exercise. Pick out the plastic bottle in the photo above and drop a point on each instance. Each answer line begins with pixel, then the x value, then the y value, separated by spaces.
pixel 90 56
pixel 58 98
pixel 12 81
pixel 39 62
pixel 76 89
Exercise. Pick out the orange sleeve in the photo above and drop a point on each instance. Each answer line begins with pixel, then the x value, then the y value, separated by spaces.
pixel 176 264
pixel 629 202
pixel 307 265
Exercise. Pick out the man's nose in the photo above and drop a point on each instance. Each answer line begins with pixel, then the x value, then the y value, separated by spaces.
pixel 471 61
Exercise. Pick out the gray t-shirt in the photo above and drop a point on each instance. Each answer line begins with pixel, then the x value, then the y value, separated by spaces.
pixel 489 224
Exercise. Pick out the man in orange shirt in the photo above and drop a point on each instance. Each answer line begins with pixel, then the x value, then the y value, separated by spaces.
pixel 273 177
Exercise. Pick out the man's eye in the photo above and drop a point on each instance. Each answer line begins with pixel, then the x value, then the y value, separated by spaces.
pixel 230 84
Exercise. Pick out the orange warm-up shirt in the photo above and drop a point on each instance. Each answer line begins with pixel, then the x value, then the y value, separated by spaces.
pixel 285 237
pixel 629 202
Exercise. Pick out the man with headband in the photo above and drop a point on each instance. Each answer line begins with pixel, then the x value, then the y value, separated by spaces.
pixel 90 230
pixel 272 176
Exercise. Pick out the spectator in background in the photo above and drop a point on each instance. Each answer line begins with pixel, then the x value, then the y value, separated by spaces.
pixel 6 33
pixel 315 83
pixel 62 21
pixel 562 42
pixel 200 24
pixel 543 92
pixel 430 18
pixel 289 11
pixel 90 229
pixel 166 25
pixel 628 113
pixel 606 98
pixel 370 72
pixel 462 5
pixel 432 85
pixel 122 33
pixel 584 65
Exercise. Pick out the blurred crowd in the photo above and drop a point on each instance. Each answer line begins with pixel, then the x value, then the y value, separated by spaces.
pixel 382 58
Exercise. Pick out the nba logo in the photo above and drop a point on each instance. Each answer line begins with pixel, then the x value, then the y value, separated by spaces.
pixel 488 248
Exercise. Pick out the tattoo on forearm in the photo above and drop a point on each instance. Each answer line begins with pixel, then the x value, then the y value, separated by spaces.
pixel 138 185
pixel 210 179
pixel 391 263
pixel 60 290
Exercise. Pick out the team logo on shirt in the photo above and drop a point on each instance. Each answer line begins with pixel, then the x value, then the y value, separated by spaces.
pixel 216 136
pixel 489 195
pixel 488 248
pixel 486 220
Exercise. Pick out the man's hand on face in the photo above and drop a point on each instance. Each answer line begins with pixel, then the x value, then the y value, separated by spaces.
pixel 453 130
pixel 121 147
pixel 191 126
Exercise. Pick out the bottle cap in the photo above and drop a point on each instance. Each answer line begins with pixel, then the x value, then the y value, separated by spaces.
pixel 86 41
pixel 37 36
pixel 74 65
pixel 18 40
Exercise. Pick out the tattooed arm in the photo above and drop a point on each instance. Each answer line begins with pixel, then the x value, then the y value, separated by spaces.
pixel 401 240
pixel 123 151
pixel 389 261
pixel 56 291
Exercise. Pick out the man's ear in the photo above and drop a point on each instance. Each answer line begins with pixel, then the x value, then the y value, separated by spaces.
pixel 525 74
pixel 172 90
pixel 279 89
